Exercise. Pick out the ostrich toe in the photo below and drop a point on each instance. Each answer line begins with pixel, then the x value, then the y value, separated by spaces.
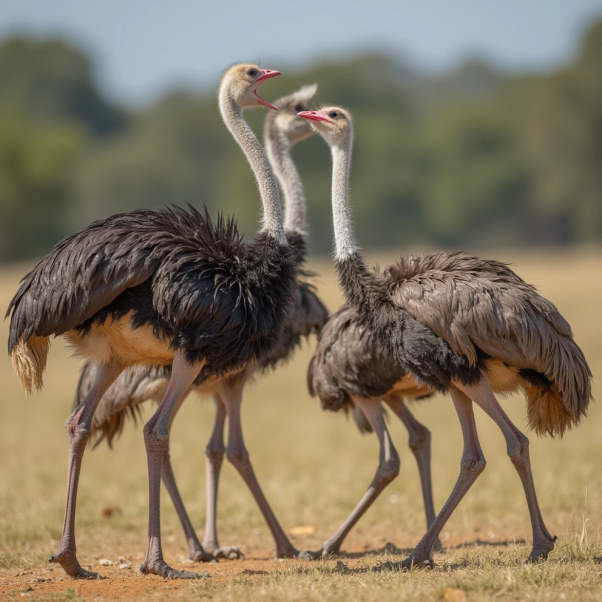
pixel 162 569
pixel 541 549
pixel 228 553
pixel 69 562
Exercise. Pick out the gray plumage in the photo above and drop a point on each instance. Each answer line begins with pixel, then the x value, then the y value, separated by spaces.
pixel 465 326
pixel 347 363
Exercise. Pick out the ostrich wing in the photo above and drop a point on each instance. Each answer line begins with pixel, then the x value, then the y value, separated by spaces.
pixel 86 271
pixel 473 303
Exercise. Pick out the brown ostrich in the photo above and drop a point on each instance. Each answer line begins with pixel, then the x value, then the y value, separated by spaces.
pixel 159 288
pixel 306 315
pixel 465 326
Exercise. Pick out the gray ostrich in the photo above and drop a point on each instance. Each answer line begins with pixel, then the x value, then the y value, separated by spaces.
pixel 465 326
pixel 348 372
pixel 159 288
pixel 306 315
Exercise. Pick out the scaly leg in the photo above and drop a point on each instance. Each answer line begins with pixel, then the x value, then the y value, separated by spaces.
pixel 388 469
pixel 238 455
pixel 196 551
pixel 78 433
pixel 156 439
pixel 420 444
pixel 517 446
pixel 214 454
pixel 471 466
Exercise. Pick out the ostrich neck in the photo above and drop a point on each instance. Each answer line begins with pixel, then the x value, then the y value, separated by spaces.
pixel 268 187
pixel 344 239
pixel 278 149
pixel 358 282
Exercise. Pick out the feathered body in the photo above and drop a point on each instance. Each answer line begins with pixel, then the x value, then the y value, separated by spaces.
pixel 137 286
pixel 460 324
pixel 452 316
pixel 305 315
pixel 348 363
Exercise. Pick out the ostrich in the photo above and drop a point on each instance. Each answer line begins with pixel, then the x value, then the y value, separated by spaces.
pixel 465 326
pixel 157 288
pixel 306 315
pixel 348 372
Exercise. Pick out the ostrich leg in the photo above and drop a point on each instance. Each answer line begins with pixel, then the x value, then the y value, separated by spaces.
pixel 156 439
pixel 238 455
pixel 420 444
pixel 388 469
pixel 196 551
pixel 517 446
pixel 78 433
pixel 471 466
pixel 214 454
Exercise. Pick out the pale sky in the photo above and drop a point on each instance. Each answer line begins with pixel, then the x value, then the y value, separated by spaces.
pixel 145 47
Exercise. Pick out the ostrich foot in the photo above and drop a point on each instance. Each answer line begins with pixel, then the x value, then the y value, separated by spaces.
pixel 69 562
pixel 541 549
pixel 228 552
pixel 162 569
pixel 312 554
pixel 201 555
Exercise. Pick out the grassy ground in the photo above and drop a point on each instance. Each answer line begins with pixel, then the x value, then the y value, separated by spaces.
pixel 314 467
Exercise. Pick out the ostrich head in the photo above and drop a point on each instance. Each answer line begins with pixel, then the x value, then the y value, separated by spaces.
pixel 241 82
pixel 334 124
pixel 285 121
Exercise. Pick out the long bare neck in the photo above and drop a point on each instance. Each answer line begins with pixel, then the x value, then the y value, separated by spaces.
pixel 359 283
pixel 268 187
pixel 345 245
pixel 278 149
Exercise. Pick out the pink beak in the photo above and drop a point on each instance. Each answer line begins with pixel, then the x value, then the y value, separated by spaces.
pixel 314 116
pixel 267 73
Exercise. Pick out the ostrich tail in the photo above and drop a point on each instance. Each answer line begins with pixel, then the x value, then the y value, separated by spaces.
pixel 546 411
pixel 29 362
pixel 559 400
pixel 575 381
pixel 107 429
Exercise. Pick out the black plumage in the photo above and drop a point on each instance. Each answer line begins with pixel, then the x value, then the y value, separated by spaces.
pixel 306 315
pixel 159 288
pixel 196 283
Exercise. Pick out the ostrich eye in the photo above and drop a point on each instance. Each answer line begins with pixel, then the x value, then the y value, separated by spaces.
pixel 298 108
pixel 252 72
pixel 333 114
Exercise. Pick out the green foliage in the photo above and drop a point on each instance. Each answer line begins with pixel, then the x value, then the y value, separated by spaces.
pixel 35 172
pixel 471 158
pixel 563 139
pixel 50 81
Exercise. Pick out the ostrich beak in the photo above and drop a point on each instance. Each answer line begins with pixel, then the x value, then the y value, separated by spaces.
pixel 314 116
pixel 266 74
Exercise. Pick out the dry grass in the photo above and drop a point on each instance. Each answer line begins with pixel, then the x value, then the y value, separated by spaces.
pixel 313 467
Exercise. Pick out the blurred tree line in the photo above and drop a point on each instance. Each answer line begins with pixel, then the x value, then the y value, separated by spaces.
pixel 473 158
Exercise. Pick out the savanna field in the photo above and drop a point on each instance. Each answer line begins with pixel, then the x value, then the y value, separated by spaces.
pixel 313 467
